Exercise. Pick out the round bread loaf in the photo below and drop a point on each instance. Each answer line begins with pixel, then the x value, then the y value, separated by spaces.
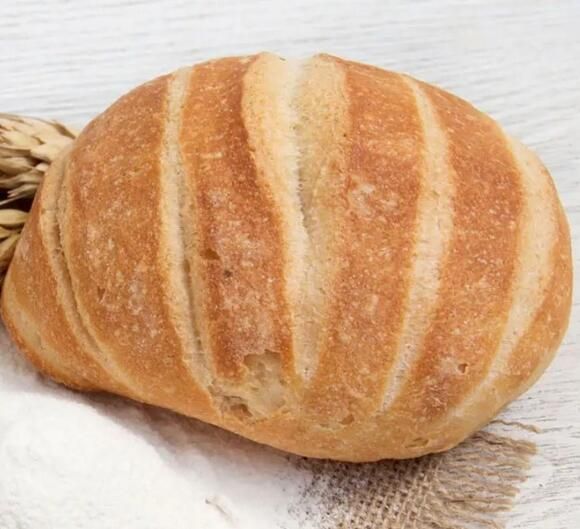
pixel 322 256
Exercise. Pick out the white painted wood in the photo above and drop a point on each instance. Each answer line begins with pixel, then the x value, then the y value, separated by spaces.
pixel 517 60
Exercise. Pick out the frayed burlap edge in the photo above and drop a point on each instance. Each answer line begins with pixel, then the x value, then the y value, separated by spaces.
pixel 467 487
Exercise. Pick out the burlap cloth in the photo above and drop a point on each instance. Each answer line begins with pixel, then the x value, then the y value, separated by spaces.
pixel 467 487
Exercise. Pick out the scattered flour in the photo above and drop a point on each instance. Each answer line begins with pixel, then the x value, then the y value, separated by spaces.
pixel 72 461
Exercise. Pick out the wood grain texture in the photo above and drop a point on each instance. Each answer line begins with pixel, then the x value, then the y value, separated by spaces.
pixel 518 61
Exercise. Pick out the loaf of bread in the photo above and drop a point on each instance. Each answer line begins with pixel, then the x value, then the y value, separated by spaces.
pixel 329 258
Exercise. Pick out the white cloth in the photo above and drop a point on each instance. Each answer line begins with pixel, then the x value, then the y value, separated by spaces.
pixel 74 461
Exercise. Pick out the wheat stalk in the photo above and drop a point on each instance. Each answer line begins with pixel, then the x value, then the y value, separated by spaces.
pixel 27 148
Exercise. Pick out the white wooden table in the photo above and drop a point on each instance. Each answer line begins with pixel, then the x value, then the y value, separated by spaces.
pixel 518 61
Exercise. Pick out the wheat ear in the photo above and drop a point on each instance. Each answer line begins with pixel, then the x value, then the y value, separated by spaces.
pixel 27 148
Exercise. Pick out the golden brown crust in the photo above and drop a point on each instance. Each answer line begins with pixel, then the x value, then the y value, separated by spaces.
pixel 376 221
pixel 300 206
pixel 238 252
pixel 476 275
pixel 239 229
pixel 26 337
pixel 21 307
pixel 538 346
pixel 41 300
pixel 112 242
